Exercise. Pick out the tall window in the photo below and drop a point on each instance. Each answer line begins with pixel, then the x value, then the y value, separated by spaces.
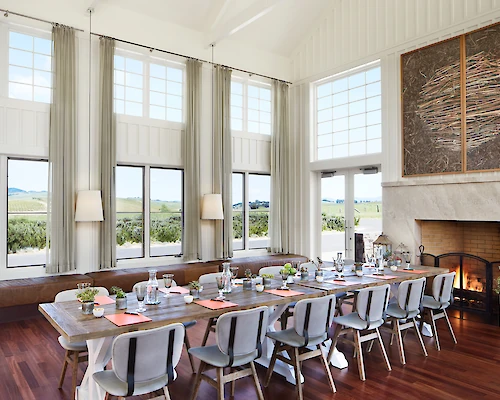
pixel 165 93
pixel 348 115
pixel 26 212
pixel 128 88
pixel 251 196
pixel 250 108
pixel 30 67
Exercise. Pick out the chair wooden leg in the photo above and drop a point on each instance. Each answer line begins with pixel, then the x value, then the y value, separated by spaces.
pixel 207 332
pixel 166 393
pixel 106 396
pixel 450 327
pixel 327 369
pixel 434 330
pixel 233 384
pixel 75 373
pixel 258 388
pixel 220 383
pixel 188 346
pixel 63 371
pixel 382 349
pixel 397 332
pixel 370 346
pixel 335 338
pixel 197 381
pixel 417 332
pixel 271 364
pixel 361 365
pixel 296 366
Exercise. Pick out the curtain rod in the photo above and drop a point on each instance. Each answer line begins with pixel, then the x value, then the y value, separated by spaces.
pixel 151 49
pixel 7 13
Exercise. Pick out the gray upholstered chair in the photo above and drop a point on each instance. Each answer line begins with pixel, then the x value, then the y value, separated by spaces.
pixel 403 312
pixel 371 304
pixel 312 319
pixel 435 306
pixel 204 280
pixel 143 362
pixel 187 325
pixel 74 352
pixel 270 270
pixel 208 278
pixel 239 342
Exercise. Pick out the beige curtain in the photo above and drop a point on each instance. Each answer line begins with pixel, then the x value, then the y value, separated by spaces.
pixel 62 155
pixel 223 159
pixel 281 163
pixel 107 131
pixel 191 240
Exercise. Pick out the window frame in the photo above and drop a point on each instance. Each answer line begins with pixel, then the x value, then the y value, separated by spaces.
pixel 331 79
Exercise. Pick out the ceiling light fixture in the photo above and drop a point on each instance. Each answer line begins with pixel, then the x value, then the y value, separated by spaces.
pixel 6 14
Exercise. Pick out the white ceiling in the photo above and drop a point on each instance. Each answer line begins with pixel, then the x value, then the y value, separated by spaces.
pixel 277 26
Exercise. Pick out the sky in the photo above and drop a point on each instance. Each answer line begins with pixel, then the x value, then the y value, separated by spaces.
pixel 259 188
pixel 365 187
pixel 31 176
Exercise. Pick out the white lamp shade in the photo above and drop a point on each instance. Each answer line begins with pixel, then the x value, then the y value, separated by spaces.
pixel 212 207
pixel 88 206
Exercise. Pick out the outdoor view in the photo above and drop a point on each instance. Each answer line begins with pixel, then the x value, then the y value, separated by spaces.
pixel 367 212
pixel 27 212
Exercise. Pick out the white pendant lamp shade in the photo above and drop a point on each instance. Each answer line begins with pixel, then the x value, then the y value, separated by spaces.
pixel 89 206
pixel 212 207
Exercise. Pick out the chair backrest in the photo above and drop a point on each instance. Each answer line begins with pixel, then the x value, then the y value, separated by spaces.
pixel 240 333
pixel 69 295
pixel 311 267
pixel 208 278
pixel 372 302
pixel 410 294
pixel 156 353
pixel 270 270
pixel 313 317
pixel 442 287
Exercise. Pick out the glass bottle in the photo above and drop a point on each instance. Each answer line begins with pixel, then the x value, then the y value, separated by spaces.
pixel 152 288
pixel 226 276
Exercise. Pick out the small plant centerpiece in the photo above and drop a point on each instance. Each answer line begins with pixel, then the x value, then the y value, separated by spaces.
pixel 289 271
pixel 247 282
pixel 121 297
pixel 266 279
pixel 87 298
pixel 304 272
pixel 194 289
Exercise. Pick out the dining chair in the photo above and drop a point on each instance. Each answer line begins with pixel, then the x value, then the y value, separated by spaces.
pixel 143 362
pixel 74 352
pixel 187 325
pixel 203 280
pixel 239 342
pixel 371 304
pixel 402 313
pixel 270 270
pixel 312 319
pixel 435 306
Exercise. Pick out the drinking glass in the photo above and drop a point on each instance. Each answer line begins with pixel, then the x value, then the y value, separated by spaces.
pixel 339 267
pixel 140 292
pixel 220 285
pixel 407 256
pixel 234 274
pixel 167 280
pixel 284 276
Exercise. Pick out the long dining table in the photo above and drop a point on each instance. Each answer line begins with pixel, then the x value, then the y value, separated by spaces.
pixel 74 326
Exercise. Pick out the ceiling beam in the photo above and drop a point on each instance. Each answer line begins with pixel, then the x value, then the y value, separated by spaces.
pixel 244 18
pixel 218 11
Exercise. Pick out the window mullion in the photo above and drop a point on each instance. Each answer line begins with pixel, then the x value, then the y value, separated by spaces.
pixel 146 210
pixel 3 221
pixel 246 214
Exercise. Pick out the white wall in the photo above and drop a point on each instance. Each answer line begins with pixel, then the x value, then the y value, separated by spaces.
pixel 355 32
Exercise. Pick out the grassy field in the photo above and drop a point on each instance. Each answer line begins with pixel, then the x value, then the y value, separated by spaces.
pixel 362 210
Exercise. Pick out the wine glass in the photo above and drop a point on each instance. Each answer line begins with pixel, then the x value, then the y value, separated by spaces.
pixel 284 275
pixel 140 292
pixel 167 280
pixel 234 274
pixel 220 285
pixel 339 267
pixel 407 256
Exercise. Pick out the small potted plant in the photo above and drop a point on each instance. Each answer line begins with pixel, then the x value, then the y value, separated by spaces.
pixel 266 279
pixel 121 297
pixel 304 273
pixel 87 298
pixel 247 282
pixel 194 289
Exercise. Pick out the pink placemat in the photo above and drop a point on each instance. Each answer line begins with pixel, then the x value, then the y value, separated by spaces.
pixel 215 305
pixel 127 319
pixel 103 300
pixel 413 271
pixel 341 283
pixel 175 290
pixel 284 293
pixel 381 276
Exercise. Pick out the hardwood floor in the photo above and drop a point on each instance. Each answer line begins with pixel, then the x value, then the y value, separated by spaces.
pixel 31 359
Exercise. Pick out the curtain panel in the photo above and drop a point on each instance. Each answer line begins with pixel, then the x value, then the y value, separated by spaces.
pixel 281 170
pixel 191 234
pixel 62 155
pixel 107 132
pixel 223 159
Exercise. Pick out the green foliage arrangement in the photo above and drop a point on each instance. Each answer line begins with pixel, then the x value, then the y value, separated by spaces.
pixel 268 276
pixel 120 294
pixel 88 294
pixel 287 268
pixel 195 285
pixel 23 233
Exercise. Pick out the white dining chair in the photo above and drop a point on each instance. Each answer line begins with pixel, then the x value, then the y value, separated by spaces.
pixel 143 362
pixel 206 279
pixel 275 270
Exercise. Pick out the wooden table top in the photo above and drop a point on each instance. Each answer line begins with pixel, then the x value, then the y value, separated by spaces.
pixel 68 320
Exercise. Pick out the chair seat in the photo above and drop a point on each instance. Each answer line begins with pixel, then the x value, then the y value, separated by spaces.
pixel 352 320
pixel 291 338
pixel 430 302
pixel 213 356
pixel 393 310
pixel 189 324
pixel 114 386
pixel 78 346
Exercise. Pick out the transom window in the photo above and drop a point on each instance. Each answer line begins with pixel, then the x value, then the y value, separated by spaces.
pixel 165 92
pixel 250 108
pixel 30 67
pixel 348 115
pixel 128 86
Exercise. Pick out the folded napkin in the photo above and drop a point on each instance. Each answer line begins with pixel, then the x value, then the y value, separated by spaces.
pixel 284 293
pixel 381 276
pixel 413 271
pixel 127 319
pixel 103 300
pixel 341 283
pixel 215 304
pixel 175 290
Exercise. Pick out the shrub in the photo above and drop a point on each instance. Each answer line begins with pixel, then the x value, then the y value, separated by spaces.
pixel 24 233
pixel 259 224
pixel 335 223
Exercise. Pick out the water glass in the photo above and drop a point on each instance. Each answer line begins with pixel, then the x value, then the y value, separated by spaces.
pixel 220 285
pixel 167 280
pixel 140 292
pixel 340 269
pixel 234 274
